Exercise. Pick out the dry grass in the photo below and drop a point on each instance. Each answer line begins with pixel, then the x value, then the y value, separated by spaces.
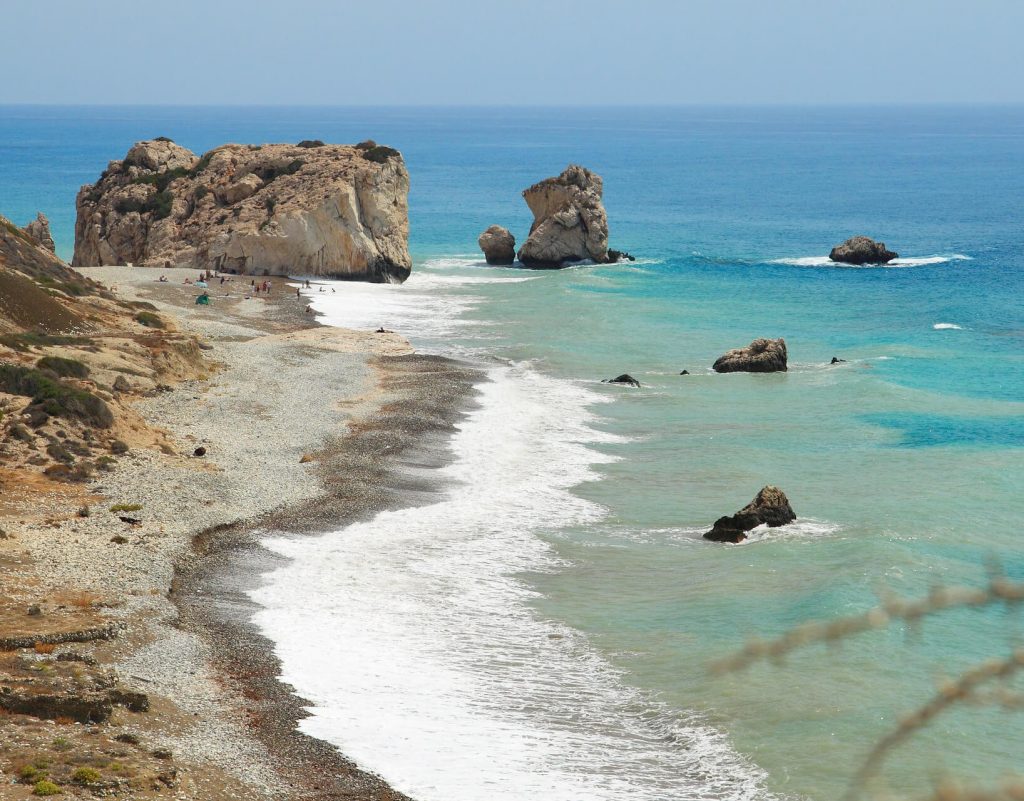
pixel 44 647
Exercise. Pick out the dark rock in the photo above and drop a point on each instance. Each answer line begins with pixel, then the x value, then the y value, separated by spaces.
pixel 760 356
pixel 625 378
pixel 619 255
pixel 837 360
pixel 770 507
pixel 130 700
pixel 685 372
pixel 200 451
pixel 498 245
pixel 862 250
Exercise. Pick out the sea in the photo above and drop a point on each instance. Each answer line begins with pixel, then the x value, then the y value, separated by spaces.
pixel 549 624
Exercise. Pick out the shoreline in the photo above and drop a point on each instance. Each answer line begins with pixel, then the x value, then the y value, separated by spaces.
pixel 306 428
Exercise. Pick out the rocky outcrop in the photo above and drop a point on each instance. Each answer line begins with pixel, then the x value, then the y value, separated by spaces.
pixel 498 245
pixel 862 250
pixel 625 378
pixel 39 230
pixel 330 210
pixel 569 220
pixel 760 356
pixel 770 507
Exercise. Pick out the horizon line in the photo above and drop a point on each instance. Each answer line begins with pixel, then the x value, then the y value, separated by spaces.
pixel 498 106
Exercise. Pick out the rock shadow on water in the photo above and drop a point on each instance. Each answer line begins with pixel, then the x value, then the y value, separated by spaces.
pixel 937 431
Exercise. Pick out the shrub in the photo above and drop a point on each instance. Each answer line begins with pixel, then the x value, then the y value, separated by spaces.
pixel 270 202
pixel 149 320
pixel 126 205
pixel 126 507
pixel 163 139
pixel 379 153
pixel 270 172
pixel 308 143
pixel 44 647
pixel 46 787
pixel 53 397
pixel 119 447
pixel 161 180
pixel 85 776
pixel 160 204
pixel 200 192
pixel 65 368
pixel 142 304
pixel 55 451
pixel 84 511
pixel 19 432
pixel 201 165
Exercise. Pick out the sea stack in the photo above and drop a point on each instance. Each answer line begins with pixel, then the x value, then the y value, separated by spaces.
pixel 770 507
pixel 569 220
pixel 760 356
pixel 338 211
pixel 862 250
pixel 498 245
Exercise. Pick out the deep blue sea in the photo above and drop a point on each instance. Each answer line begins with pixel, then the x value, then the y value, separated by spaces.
pixel 546 629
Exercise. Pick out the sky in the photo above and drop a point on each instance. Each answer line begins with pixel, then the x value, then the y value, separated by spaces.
pixel 500 52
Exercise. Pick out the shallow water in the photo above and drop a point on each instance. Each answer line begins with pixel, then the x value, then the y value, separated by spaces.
pixel 548 626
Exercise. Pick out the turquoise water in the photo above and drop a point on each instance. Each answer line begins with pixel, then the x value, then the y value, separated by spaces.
pixel 904 464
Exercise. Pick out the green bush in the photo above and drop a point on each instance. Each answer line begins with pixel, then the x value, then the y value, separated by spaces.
pixel 201 165
pixel 46 787
pixel 163 139
pixel 200 192
pixel 85 776
pixel 161 180
pixel 379 153
pixel 126 507
pixel 308 143
pixel 53 396
pixel 65 368
pixel 270 172
pixel 149 320
pixel 158 204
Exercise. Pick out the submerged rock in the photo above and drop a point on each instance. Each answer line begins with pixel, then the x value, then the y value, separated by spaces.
pixel 569 220
pixel 862 250
pixel 330 210
pixel 498 245
pixel 760 356
pixel 39 230
pixel 625 378
pixel 770 507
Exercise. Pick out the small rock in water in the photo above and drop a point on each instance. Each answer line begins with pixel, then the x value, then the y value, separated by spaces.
pixel 685 372
pixel 625 378
pixel 770 507
pixel 837 360
pixel 620 255
pixel 862 250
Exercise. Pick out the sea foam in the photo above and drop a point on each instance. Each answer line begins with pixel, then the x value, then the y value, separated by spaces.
pixel 917 261
pixel 413 634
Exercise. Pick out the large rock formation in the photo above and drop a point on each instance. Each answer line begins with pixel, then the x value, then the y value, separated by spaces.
pixel 307 209
pixel 498 245
pixel 862 250
pixel 39 230
pixel 760 356
pixel 569 220
pixel 770 507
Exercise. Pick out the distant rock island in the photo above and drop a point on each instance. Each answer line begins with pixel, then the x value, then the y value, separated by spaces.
pixel 862 250
pixel 337 211
pixel 570 225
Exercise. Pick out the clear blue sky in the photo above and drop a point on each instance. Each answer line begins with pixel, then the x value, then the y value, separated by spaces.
pixel 544 52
